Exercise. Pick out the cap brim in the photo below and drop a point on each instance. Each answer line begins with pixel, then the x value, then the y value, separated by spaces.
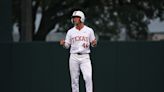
pixel 76 16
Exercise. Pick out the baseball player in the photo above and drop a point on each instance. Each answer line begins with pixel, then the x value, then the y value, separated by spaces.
pixel 79 39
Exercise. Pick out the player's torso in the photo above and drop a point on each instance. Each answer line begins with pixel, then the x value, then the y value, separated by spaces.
pixel 80 40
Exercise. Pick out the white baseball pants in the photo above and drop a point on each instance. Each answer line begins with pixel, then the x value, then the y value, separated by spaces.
pixel 81 63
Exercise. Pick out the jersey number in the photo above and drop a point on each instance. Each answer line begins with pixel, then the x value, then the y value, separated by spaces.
pixel 85 45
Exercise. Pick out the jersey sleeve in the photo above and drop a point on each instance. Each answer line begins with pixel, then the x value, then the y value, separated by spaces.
pixel 92 35
pixel 67 40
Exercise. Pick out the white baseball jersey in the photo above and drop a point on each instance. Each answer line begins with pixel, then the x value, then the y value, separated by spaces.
pixel 79 40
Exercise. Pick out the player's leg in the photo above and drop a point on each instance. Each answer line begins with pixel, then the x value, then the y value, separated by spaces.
pixel 74 73
pixel 86 69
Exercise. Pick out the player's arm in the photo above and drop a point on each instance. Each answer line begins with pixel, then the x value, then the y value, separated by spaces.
pixel 94 43
pixel 93 39
pixel 64 44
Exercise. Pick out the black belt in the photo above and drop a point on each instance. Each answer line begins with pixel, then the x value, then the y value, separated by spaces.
pixel 81 53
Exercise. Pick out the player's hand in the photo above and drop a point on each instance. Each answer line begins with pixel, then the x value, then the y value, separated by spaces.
pixel 94 43
pixel 62 42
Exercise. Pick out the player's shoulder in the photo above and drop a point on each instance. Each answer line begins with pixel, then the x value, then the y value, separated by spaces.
pixel 88 28
pixel 71 29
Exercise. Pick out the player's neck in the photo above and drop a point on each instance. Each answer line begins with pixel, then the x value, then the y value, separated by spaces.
pixel 79 26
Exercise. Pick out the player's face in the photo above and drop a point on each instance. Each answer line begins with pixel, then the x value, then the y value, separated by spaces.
pixel 76 20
